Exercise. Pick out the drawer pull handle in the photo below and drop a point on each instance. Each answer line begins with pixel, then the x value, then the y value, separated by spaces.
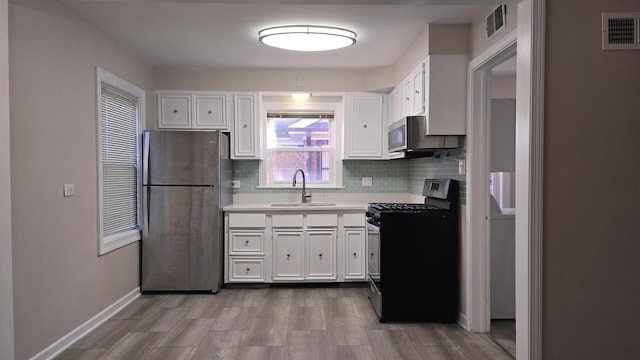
pixel 288 256
pixel 320 256
pixel 209 112
pixel 372 254
pixel 248 269
pixel 244 126
pixel 365 126
pixel 175 111
pixel 246 242
pixel 355 255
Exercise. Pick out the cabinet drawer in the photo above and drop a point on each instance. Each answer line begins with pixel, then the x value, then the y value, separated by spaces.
pixel 248 221
pixel 246 242
pixel 286 220
pixel 322 220
pixel 247 270
pixel 354 220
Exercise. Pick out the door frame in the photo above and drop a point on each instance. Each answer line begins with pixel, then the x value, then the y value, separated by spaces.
pixel 528 42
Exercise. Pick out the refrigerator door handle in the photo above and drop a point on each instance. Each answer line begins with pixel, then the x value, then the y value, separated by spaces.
pixel 145 158
pixel 145 213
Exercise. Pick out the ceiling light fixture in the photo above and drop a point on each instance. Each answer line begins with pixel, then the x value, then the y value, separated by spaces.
pixel 307 37
pixel 300 95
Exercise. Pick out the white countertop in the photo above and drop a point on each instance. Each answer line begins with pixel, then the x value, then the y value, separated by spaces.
pixel 286 206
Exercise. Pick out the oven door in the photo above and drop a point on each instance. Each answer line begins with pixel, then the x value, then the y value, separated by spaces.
pixel 374 279
pixel 373 249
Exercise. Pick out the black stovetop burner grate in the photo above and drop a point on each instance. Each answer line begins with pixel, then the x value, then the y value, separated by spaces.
pixel 401 207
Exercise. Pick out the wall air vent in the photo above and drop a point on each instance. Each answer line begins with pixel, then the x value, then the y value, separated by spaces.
pixel 497 20
pixel 620 31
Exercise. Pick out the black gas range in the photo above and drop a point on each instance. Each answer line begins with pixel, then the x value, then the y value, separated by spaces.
pixel 413 267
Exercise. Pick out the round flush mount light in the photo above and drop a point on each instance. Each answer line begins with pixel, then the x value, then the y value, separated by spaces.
pixel 307 37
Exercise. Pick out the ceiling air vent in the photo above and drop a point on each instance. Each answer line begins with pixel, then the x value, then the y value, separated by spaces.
pixel 620 31
pixel 496 20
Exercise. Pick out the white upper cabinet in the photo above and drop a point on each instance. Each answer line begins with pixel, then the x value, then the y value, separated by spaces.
pixel 245 127
pixel 436 88
pixel 445 94
pixel 211 111
pixel 413 93
pixel 417 80
pixel 192 110
pixel 395 105
pixel 364 120
pixel 174 110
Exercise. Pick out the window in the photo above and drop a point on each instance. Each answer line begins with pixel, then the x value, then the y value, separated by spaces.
pixel 120 108
pixel 301 136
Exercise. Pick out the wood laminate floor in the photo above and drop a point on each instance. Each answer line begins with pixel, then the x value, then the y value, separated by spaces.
pixel 273 323
pixel 504 333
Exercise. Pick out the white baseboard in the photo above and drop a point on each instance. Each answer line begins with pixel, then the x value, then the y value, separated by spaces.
pixel 462 320
pixel 64 342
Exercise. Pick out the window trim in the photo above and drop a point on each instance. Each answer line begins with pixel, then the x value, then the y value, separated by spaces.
pixel 335 151
pixel 113 242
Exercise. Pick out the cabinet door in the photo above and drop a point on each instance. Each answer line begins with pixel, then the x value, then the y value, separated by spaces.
pixel 211 111
pixel 245 136
pixel 446 94
pixel 395 105
pixel 321 254
pixel 407 96
pixel 354 256
pixel 174 111
pixel 418 89
pixel 363 138
pixel 288 255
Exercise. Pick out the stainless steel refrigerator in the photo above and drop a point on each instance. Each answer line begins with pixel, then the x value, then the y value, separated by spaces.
pixel 186 182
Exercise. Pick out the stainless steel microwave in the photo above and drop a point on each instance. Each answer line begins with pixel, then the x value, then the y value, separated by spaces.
pixel 409 134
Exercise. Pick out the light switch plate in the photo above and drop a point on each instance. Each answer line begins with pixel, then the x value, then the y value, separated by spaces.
pixel 69 190
pixel 461 167
pixel 236 184
pixel 367 181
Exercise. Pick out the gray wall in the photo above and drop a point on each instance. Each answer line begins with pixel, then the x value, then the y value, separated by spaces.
pixel 591 288
pixel 59 281
pixel 6 277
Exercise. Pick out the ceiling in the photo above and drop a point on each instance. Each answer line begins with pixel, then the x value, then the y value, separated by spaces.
pixel 222 34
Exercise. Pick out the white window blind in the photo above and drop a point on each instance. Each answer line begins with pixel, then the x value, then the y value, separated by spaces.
pixel 120 107
pixel 119 114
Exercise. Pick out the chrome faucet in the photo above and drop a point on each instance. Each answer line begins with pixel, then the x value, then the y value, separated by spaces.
pixel 305 195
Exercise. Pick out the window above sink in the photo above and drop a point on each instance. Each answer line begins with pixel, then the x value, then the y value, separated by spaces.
pixel 301 135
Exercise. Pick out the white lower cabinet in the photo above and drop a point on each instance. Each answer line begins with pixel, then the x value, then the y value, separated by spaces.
pixel 288 255
pixel 321 255
pixel 245 251
pixel 282 246
pixel 246 269
pixel 354 254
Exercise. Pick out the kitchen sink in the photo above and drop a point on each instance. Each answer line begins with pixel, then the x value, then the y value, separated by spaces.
pixel 286 204
pixel 301 204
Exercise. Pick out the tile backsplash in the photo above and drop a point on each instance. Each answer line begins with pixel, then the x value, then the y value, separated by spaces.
pixel 393 176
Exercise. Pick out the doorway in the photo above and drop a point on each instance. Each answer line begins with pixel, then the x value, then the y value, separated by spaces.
pixel 528 39
pixel 502 207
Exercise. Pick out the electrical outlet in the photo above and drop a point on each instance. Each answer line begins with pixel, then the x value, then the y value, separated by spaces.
pixel 236 184
pixel 367 181
pixel 68 190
